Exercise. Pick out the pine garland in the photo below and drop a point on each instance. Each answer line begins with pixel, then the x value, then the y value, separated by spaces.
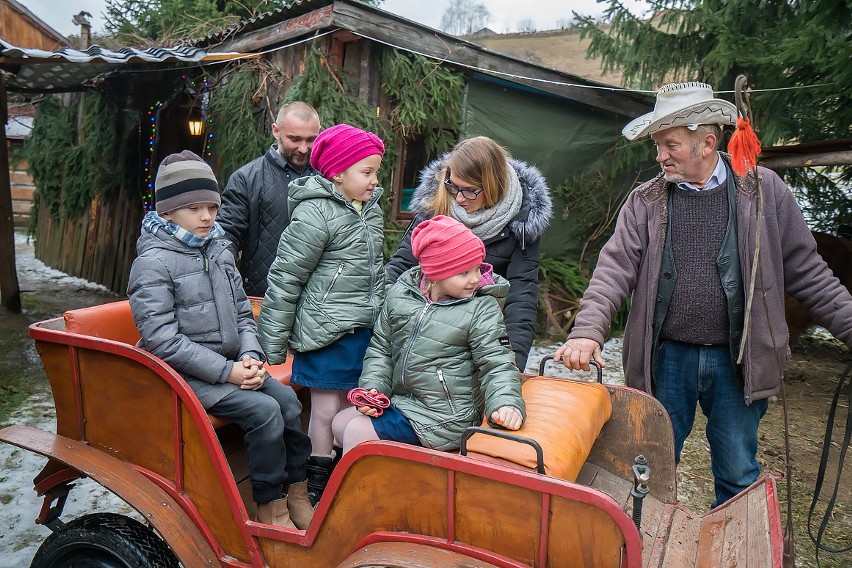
pixel 239 119
pixel 72 165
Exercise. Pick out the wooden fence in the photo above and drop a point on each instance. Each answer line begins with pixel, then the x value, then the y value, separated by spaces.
pixel 99 246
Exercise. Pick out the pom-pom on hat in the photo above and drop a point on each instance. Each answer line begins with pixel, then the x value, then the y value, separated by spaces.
pixel 445 247
pixel 184 179
pixel 342 145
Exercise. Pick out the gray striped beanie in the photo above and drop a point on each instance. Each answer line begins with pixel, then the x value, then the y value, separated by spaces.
pixel 184 179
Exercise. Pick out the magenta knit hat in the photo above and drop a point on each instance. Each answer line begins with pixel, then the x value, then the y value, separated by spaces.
pixel 445 247
pixel 338 147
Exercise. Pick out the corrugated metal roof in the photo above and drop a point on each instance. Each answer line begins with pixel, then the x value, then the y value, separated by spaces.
pixel 36 70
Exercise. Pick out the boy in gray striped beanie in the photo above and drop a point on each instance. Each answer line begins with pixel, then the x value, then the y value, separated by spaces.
pixel 191 310
pixel 184 179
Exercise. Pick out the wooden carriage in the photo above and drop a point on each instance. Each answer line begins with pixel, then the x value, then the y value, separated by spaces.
pixel 563 497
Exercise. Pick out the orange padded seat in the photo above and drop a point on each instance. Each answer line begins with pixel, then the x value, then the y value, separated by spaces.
pixel 564 417
pixel 108 321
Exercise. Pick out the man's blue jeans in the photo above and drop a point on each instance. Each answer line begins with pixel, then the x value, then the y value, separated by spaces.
pixel 704 374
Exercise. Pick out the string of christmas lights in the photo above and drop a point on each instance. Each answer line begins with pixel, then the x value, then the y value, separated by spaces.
pixel 152 121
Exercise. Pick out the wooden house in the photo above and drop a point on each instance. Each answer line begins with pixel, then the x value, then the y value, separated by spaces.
pixel 21 27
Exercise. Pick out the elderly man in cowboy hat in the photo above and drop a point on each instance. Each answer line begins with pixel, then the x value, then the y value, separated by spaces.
pixel 684 246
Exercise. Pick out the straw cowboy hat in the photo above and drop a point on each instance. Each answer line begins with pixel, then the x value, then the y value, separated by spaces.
pixel 682 104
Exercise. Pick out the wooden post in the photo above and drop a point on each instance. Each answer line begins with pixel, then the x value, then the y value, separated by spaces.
pixel 10 292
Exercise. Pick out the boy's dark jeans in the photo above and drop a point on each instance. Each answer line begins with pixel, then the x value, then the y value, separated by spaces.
pixel 276 446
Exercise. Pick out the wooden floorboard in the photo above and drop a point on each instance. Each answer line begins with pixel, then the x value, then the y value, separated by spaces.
pixel 710 540
pixel 758 545
pixel 734 547
pixel 681 548
pixel 656 516
pixel 617 488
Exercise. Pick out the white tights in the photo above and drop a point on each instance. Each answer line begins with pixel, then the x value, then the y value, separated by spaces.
pixel 324 405
pixel 350 427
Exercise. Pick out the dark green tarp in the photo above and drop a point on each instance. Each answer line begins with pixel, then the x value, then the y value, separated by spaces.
pixel 558 136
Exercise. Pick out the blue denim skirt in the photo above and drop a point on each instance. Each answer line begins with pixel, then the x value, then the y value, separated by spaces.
pixel 333 367
pixel 394 426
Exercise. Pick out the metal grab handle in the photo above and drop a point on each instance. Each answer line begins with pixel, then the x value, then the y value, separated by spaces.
pixel 592 363
pixel 470 431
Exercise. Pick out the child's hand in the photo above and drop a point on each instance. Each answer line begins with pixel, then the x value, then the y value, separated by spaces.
pixel 253 383
pixel 508 417
pixel 253 364
pixel 369 410
pixel 247 369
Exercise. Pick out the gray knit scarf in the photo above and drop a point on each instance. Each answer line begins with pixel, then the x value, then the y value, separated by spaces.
pixel 487 223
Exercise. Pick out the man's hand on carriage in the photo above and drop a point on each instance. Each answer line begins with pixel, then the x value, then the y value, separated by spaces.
pixel 576 353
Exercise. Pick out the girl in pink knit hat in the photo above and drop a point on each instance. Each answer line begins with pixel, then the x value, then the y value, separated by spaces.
pixel 327 283
pixel 440 358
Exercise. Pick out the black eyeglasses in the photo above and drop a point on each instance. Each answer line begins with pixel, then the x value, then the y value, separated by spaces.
pixel 454 190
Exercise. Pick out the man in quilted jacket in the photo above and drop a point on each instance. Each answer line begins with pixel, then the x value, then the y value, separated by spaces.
pixel 254 203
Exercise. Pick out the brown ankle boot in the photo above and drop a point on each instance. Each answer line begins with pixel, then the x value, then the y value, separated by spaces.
pixel 275 513
pixel 300 508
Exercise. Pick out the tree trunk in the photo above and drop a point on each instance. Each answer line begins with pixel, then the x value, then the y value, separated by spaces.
pixel 10 292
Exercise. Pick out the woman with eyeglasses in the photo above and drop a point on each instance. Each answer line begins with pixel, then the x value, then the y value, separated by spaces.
pixel 506 203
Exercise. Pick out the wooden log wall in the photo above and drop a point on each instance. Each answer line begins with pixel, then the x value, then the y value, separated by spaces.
pixel 99 246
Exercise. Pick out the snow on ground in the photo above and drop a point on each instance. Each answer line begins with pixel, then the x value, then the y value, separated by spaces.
pixel 20 537
pixel 34 275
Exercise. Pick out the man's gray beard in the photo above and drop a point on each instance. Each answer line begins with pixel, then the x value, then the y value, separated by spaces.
pixel 673 178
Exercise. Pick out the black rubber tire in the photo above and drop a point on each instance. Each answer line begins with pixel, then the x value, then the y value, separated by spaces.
pixel 104 540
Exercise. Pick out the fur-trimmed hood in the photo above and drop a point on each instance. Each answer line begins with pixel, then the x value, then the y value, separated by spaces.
pixel 530 222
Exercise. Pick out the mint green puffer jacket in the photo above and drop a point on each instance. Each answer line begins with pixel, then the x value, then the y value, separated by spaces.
pixel 443 364
pixel 328 276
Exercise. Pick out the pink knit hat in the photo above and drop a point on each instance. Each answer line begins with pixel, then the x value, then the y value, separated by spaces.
pixel 338 147
pixel 445 247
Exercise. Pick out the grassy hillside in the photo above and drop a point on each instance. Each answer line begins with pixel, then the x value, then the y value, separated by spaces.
pixel 559 49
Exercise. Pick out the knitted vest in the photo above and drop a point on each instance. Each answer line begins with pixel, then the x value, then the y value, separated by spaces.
pixel 698 310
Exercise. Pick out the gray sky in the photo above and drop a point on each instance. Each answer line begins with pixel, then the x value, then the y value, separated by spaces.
pixel 504 13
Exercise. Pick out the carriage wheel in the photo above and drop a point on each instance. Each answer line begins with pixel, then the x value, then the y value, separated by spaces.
pixel 104 540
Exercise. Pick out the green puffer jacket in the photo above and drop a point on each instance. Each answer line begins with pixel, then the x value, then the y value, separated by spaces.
pixel 328 276
pixel 442 364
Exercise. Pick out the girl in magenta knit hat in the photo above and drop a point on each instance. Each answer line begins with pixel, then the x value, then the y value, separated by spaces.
pixel 327 283
pixel 440 358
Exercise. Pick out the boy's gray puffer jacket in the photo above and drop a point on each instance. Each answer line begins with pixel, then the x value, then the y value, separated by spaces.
pixel 327 277
pixel 191 311
pixel 444 363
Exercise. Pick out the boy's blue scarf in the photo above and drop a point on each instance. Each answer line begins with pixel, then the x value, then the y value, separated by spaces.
pixel 152 222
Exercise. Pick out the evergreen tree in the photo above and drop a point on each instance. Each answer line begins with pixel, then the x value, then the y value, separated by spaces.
pixel 178 21
pixel 802 47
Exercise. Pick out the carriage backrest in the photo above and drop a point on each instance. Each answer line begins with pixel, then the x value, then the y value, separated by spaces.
pixel 107 321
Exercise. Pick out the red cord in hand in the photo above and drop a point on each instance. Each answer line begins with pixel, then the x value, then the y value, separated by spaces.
pixel 363 397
